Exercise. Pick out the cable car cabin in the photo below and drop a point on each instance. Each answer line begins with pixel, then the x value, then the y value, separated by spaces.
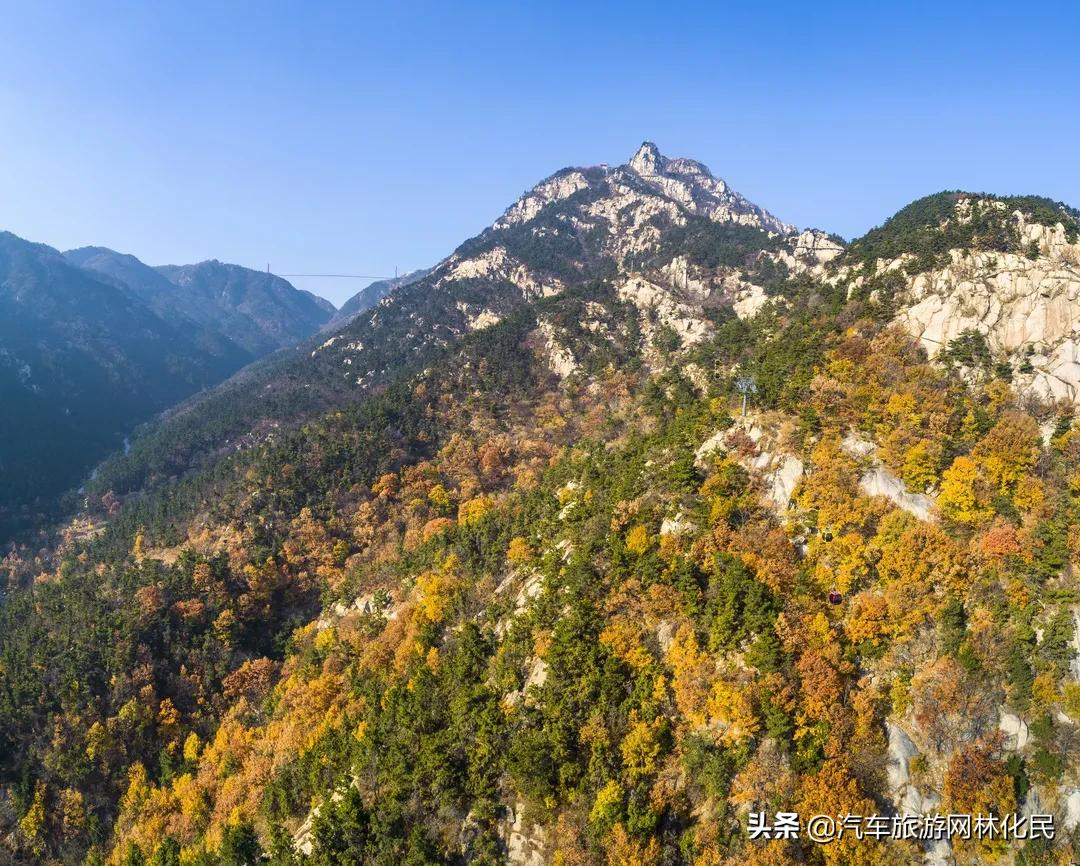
pixel 835 597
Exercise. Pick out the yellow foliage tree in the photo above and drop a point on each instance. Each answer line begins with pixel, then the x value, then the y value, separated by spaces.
pixel 920 465
pixel 439 498
pixel 138 548
pixel 472 511
pixel 832 791
pixel 192 748
pixel 33 822
pixel 641 747
pixel 868 620
pixel 1009 451
pixel 625 640
pixel 729 704
pixel 833 486
pixel 637 539
pixel 436 590
pixel 518 552
pixel 692 672
pixel 624 850
pixel 608 803
pixel 961 498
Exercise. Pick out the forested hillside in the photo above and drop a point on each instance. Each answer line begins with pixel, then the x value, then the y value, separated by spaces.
pixel 520 582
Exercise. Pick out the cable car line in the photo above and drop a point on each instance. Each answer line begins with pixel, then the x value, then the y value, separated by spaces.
pixel 341 276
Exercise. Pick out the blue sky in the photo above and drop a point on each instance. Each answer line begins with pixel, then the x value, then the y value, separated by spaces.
pixel 353 137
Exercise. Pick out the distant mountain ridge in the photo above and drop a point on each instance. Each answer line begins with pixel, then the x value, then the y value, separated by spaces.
pixel 93 342
pixel 258 311
pixel 370 295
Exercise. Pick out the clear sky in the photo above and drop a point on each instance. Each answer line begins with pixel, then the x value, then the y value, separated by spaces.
pixel 354 137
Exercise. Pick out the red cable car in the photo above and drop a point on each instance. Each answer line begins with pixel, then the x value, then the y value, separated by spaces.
pixel 834 596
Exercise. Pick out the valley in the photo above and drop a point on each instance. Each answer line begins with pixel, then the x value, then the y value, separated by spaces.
pixel 93 343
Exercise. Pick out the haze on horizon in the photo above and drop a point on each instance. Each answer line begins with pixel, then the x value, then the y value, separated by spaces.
pixel 272 136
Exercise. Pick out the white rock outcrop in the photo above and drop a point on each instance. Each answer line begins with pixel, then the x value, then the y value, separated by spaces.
pixel 1014 728
pixel 1071 818
pixel 525 845
pixel 901 751
pixel 660 303
pixel 907 798
pixel 779 471
pixel 555 188
pixel 815 246
pixel 749 300
pixel 879 481
pixel 559 359
pixel 692 185
pixel 498 264
pixel 538 674
pixel 1027 308
pixel 677 525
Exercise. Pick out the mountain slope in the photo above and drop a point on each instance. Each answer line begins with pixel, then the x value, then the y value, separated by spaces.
pixel 541 590
pixel 982 280
pixel 1006 269
pixel 260 311
pixel 667 218
pixel 144 280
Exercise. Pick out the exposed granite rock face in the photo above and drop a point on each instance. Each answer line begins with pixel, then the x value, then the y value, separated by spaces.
pixel 815 246
pixel 627 205
pixel 526 844
pixel 907 797
pixel 879 481
pixel 555 188
pixel 498 264
pixel 697 283
pixel 692 185
pixel 559 359
pixel 664 308
pixel 749 300
pixel 1017 302
pixel 1027 306
pixel 1014 729
pixel 1072 810
pixel 779 471
pixel 809 252
pixel 647 161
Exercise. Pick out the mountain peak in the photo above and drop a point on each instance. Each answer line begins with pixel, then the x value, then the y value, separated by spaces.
pixel 650 183
pixel 648 159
